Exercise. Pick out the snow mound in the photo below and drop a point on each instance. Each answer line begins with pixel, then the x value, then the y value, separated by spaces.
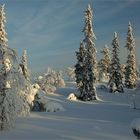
pixel 42 103
pixel 34 90
pixel 52 106
pixel 72 97
pixel 102 87
pixel 49 88
pixel 30 99
pixel 136 124
pixel 136 127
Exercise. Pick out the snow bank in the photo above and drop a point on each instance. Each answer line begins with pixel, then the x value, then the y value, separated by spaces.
pixel 135 96
pixel 49 88
pixel 136 124
pixel 33 91
pixel 136 127
pixel 102 87
pixel 42 103
pixel 52 106
pixel 49 105
pixel 39 101
pixel 72 97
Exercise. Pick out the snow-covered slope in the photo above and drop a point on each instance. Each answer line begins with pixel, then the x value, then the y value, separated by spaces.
pixel 109 119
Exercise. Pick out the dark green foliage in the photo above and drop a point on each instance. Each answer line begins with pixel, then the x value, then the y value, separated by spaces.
pixel 115 82
pixel 86 67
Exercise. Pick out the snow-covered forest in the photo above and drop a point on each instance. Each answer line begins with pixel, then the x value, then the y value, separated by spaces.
pixel 95 99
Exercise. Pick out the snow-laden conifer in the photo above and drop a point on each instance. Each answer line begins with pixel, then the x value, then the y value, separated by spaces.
pixel 24 66
pixel 130 73
pixel 89 72
pixel 115 82
pixel 80 69
pixel 3 34
pixel 104 64
pixel 11 100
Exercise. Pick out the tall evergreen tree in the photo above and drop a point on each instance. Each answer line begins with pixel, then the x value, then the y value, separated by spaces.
pixel 130 73
pixel 115 81
pixel 7 104
pixel 89 64
pixel 80 69
pixel 11 99
pixel 104 63
pixel 3 34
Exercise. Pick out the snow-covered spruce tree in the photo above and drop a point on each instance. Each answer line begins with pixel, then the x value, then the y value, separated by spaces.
pixel 7 102
pixel 25 87
pixel 130 73
pixel 10 98
pixel 3 38
pixel 89 72
pixel 138 68
pixel 115 82
pixel 123 66
pixel 80 69
pixel 104 64
pixel 24 66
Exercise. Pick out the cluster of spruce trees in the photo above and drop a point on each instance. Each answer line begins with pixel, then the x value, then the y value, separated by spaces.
pixel 87 72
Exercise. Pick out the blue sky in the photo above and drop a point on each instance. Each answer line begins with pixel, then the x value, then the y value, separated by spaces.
pixel 50 30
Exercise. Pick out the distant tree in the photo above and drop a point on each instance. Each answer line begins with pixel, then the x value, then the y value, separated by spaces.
pixel 104 64
pixel 89 73
pixel 54 78
pixel 115 82
pixel 24 66
pixel 59 81
pixel 51 80
pixel 131 73
pixel 70 73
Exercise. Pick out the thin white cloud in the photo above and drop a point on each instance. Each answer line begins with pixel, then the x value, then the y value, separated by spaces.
pixel 109 12
pixel 43 21
pixel 47 27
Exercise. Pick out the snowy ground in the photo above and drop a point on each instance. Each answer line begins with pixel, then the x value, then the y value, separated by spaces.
pixel 109 119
